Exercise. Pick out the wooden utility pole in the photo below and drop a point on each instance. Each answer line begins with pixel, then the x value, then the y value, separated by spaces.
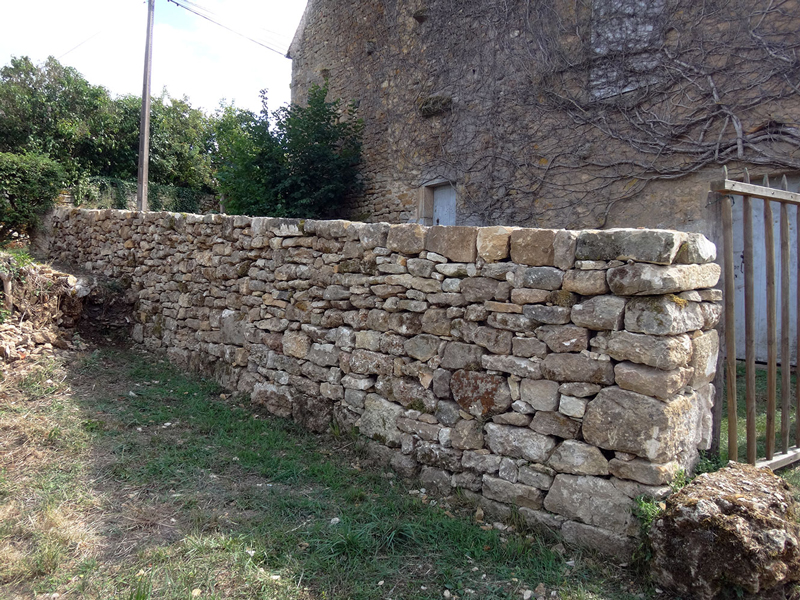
pixel 144 124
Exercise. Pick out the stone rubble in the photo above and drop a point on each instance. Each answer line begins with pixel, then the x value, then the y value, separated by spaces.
pixel 485 359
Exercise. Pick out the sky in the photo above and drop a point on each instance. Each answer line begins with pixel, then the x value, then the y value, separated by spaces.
pixel 105 41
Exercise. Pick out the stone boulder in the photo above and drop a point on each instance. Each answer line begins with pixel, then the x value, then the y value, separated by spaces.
pixel 736 528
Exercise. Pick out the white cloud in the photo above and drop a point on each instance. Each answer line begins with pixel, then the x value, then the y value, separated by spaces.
pixel 191 56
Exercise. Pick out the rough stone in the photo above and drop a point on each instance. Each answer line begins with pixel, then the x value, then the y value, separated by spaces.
pixel 565 338
pixel 434 455
pixel 586 283
pixel 704 358
pixel 518 442
pixel 312 412
pixel 494 340
pixel 422 347
pixel 541 278
pixel 407 238
pixel 662 352
pixel 572 406
pixel 601 540
pixel 565 245
pixel 554 423
pixel 467 435
pixel 456 243
pixel 479 289
pixel 512 493
pixel 296 344
pixel 642 245
pixel 480 394
pixel 643 471
pixel 592 501
pixel 534 247
pixel 379 420
pixel 629 422
pixel 528 348
pixel 578 458
pixel 662 315
pixel 697 249
pixel 481 461
pixel 539 395
pixel 528 296
pixel 645 280
pixel 600 313
pixel 750 517
pixel 462 356
pixel 436 480
pixel 493 243
pixel 579 389
pixel 651 381
pixel 577 367
pixel 551 315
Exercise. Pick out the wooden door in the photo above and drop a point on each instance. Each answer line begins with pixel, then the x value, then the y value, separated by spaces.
pixel 444 205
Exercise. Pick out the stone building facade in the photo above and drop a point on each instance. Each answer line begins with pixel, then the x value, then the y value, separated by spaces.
pixel 595 113
pixel 563 373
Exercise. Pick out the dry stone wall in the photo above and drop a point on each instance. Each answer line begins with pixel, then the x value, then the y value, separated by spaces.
pixel 560 372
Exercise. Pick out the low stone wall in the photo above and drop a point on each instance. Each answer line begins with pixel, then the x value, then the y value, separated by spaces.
pixel 560 372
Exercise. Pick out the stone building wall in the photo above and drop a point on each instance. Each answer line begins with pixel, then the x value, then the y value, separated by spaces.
pixel 561 372
pixel 497 98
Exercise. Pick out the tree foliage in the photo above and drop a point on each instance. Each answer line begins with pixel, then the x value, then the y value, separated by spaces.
pixel 301 161
pixel 29 184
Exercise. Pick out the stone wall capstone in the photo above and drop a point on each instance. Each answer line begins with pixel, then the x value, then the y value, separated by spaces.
pixel 560 372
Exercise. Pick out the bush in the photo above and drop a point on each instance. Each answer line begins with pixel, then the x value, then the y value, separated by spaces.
pixel 302 163
pixel 29 185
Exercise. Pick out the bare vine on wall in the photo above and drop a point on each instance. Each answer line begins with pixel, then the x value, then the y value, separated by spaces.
pixel 566 108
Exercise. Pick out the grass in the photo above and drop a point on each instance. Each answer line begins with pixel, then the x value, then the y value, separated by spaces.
pixel 121 477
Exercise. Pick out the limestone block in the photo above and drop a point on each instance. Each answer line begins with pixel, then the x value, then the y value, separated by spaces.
pixel 324 355
pixel 409 392
pixel 704 401
pixel 600 313
pixel 481 461
pixel 527 296
pixel 539 395
pixel 555 423
pixel 457 270
pixel 512 418
pixel 651 381
pixel 436 322
pixel 406 238
pixel 564 338
pixel 296 344
pixel 441 386
pixel 645 280
pixel 515 494
pixel 586 283
pixel 404 465
pixel 538 476
pixel 712 313
pixel 577 367
pixel 499 271
pixel 510 322
pixel 420 267
pixel 494 340
pixel 644 471
pixel 662 315
pixel 502 307
pixel 534 247
pixel 641 245
pixel 704 358
pixel 593 501
pixel 579 389
pixel 578 458
pixel 436 480
pixel 519 442
pixel 697 249
pixel 366 362
pixel 358 382
pixel 467 435
pixel 467 481
pixel 353 398
pixel 379 420
pixel 424 431
pixel 540 278
pixel 462 356
pixel 521 367
pixel 564 249
pixel 480 394
pixel 479 289
pixel 612 544
pixel 422 347
pixel 551 315
pixel 276 398
pixel 406 323
pixel 434 455
pixel 572 406
pixel 621 420
pixel 493 243
pixel 232 327
pixel 528 347
pixel 368 340
pixel 662 352
pixel 456 243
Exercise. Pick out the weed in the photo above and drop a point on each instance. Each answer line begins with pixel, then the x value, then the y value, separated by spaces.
pixel 647 510
pixel 680 480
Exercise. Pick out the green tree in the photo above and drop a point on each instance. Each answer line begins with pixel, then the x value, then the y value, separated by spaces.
pixel 29 184
pixel 302 163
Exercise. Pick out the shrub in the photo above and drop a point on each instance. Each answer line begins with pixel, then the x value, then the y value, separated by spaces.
pixel 29 185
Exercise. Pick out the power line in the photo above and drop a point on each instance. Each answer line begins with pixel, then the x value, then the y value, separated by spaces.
pixel 176 3
pixel 89 39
